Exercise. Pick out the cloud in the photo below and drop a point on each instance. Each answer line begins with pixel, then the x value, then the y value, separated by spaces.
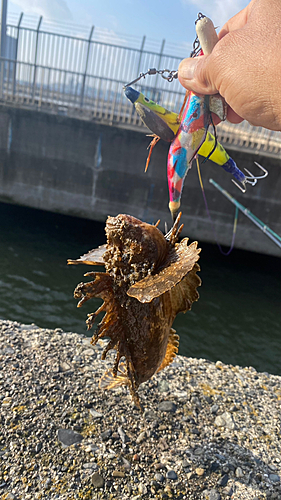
pixel 49 9
pixel 218 10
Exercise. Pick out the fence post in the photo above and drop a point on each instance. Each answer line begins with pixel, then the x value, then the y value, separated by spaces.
pixel 3 28
pixel 16 54
pixel 141 52
pixel 35 56
pixel 159 63
pixel 86 67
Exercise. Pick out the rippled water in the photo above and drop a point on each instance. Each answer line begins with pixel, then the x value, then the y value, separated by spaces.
pixel 236 320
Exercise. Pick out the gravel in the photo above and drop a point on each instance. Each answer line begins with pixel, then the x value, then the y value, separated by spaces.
pixel 209 430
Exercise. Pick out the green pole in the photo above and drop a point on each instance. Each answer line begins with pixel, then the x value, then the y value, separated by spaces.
pixel 263 227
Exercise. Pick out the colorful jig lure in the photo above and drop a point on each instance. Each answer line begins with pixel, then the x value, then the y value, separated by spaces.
pixel 188 131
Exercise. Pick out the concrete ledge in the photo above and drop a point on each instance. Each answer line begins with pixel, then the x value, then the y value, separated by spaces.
pixel 209 430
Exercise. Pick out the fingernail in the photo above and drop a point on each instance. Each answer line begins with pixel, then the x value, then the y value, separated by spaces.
pixel 187 68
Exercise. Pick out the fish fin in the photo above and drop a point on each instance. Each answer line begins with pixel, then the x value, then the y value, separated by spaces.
pixel 92 258
pixel 172 350
pixel 185 292
pixel 180 261
pixel 109 380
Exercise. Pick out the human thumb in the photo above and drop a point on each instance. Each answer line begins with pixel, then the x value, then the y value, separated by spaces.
pixel 194 74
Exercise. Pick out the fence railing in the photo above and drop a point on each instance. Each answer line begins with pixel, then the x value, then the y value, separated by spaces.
pixel 73 93
pixel 87 56
pixel 84 78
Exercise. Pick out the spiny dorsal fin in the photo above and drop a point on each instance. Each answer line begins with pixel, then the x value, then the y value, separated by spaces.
pixel 172 350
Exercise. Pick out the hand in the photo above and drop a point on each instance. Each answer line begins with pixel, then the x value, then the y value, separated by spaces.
pixel 244 66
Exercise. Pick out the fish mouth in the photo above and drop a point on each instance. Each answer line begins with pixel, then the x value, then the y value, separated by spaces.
pixel 134 245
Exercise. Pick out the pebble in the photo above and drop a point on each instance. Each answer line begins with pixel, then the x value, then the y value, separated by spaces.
pixel 167 406
pixel 106 435
pixel 199 471
pixel 225 420
pixel 171 474
pixel 67 437
pixel 141 437
pixel 213 495
pixel 163 386
pixel 228 491
pixel 118 473
pixel 239 472
pixel 223 480
pixel 160 466
pixel 64 367
pixel 150 415
pixel 123 435
pixel 142 489
pixel 190 475
pixel 89 352
pixel 214 408
pixel 275 478
pixel 97 480
pixel 95 414
pixel 90 465
pixel 126 463
pixel 159 477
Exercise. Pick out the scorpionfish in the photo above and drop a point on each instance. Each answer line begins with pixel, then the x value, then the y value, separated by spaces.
pixel 149 278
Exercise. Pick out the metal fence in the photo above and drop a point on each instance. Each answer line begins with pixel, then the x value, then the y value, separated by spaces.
pixel 83 77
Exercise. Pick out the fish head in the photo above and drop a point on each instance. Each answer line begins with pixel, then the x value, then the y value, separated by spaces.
pixel 134 248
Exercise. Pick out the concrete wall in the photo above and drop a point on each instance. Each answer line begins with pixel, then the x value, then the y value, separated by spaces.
pixel 90 170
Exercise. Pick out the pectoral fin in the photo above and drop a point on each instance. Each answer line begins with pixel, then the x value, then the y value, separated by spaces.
pixel 172 350
pixel 110 381
pixel 92 258
pixel 178 264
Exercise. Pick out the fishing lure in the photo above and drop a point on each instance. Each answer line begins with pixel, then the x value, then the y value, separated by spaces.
pixel 165 124
pixel 192 136
pixel 149 278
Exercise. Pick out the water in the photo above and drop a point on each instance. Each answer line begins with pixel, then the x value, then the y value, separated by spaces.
pixel 236 320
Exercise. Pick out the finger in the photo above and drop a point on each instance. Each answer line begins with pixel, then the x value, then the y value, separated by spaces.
pixel 193 74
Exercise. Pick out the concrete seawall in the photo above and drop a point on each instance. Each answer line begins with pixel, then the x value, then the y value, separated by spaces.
pixel 91 170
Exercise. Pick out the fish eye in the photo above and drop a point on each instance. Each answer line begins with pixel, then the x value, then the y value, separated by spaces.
pixel 146 99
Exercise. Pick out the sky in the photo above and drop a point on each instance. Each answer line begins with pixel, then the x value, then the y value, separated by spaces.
pixel 157 19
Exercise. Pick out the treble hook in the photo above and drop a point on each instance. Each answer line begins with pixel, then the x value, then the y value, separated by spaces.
pixel 251 179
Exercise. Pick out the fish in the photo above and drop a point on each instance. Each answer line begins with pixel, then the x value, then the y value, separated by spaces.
pixel 149 278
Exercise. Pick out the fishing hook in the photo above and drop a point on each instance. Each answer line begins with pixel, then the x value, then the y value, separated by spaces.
pixel 251 179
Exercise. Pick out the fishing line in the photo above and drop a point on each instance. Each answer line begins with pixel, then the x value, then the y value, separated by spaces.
pixel 210 218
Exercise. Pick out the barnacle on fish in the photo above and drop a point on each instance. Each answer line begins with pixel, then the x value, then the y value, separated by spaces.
pixel 149 278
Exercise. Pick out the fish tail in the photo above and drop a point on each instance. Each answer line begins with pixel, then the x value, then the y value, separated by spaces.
pixel 110 380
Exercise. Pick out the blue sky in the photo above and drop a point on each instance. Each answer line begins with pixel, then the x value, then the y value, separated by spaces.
pixel 158 19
